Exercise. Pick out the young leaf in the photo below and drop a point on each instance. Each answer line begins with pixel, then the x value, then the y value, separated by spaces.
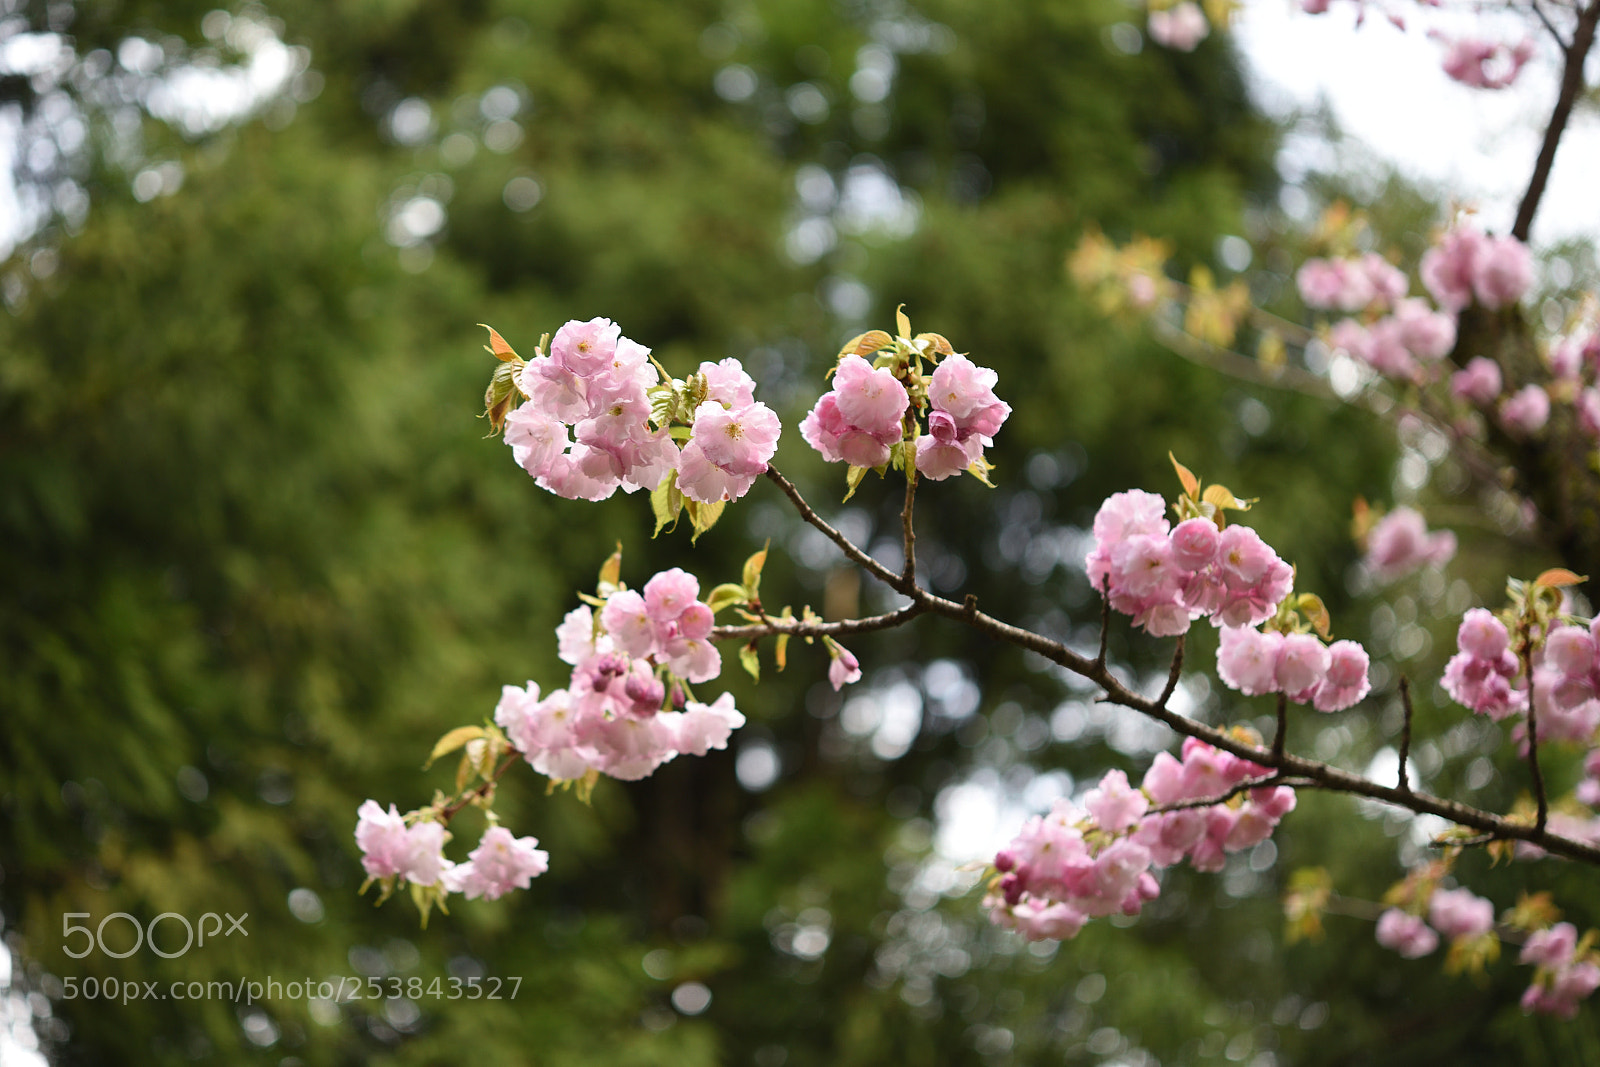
pixel 1559 578
pixel 866 344
pixel 611 571
pixel 497 346
pixel 902 323
pixel 502 394
pixel 452 741
pixel 705 516
pixel 852 480
pixel 752 570
pixel 666 501
pixel 937 342
pixel 750 661
pixel 1317 612
pixel 1186 478
pixel 979 469
pixel 726 595
pixel 1220 496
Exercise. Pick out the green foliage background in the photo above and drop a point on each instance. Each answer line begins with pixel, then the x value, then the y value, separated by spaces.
pixel 257 554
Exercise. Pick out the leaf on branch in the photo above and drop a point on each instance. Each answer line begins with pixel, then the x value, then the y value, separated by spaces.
pixel 497 346
pixel 1186 478
pixel 502 394
pixel 852 480
pixel 901 322
pixel 1559 578
pixel 866 344
pixel 780 649
pixel 1317 612
pixel 452 741
pixel 703 516
pixel 752 571
pixel 938 342
pixel 667 502
pixel 1222 498
pixel 750 660
pixel 726 595
pixel 979 469
pixel 1534 911
pixel 611 572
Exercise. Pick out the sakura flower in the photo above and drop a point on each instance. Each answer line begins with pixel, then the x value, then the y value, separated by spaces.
pixel 501 863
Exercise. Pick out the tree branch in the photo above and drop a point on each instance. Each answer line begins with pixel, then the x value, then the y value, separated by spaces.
pixel 1316 775
pixel 1574 56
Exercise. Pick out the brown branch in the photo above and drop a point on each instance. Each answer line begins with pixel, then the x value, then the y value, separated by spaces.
pixel 1243 787
pixel 1573 57
pixel 1172 673
pixel 770 627
pixel 1405 734
pixel 1525 653
pixel 1281 735
pixel 1316 775
pixel 483 788
pixel 1105 620
pixel 848 547
pixel 908 573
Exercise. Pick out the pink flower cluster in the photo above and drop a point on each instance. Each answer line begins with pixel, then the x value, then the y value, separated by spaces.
pixel 1484 64
pixel 861 418
pixel 1329 677
pixel 1483 673
pixel 598 383
pixel 1562 979
pixel 1479 382
pixel 1458 914
pixel 1167 577
pixel 1351 284
pixel 1566 685
pixel 964 417
pixel 609 718
pixel 1399 345
pixel 415 854
pixel 1400 543
pixel 1467 264
pixel 734 437
pixel 595 381
pixel 1181 27
pixel 1075 864
pixel 391 849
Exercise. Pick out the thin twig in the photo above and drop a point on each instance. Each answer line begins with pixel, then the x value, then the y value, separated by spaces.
pixel 1282 733
pixel 908 573
pixel 1574 57
pixel 1105 620
pixel 1545 20
pixel 770 627
pixel 1243 787
pixel 467 798
pixel 848 547
pixel 1405 734
pixel 1172 673
pixel 1525 653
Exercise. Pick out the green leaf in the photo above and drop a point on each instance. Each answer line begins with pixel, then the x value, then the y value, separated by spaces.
pixel 705 516
pixel 1191 484
pixel 752 570
pixel 750 661
pixel 902 323
pixel 611 571
pixel 852 480
pixel 1316 611
pixel 666 501
pixel 502 394
pixel 726 595
pixel 979 469
pixel 452 741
